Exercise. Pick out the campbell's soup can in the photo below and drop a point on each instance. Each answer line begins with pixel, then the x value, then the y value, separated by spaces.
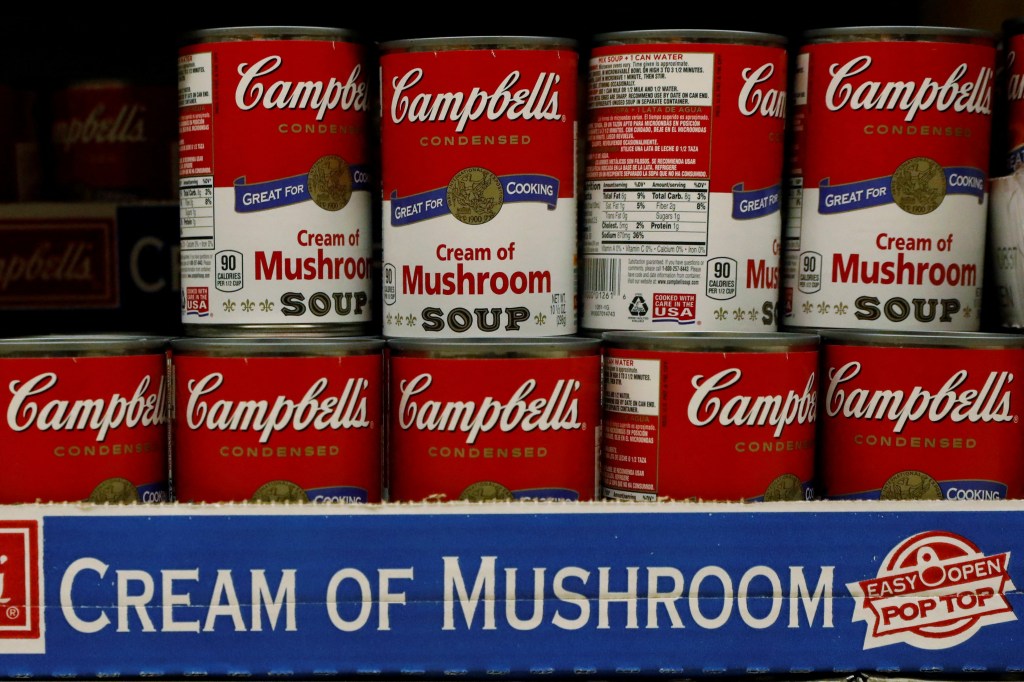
pixel 1013 80
pixel 113 140
pixel 494 420
pixel 278 420
pixel 682 226
pixel 84 418
pixel 274 182
pixel 709 416
pixel 922 416
pixel 889 186
pixel 478 157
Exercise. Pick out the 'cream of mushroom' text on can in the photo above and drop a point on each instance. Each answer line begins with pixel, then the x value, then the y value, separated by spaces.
pixel 278 420
pixel 275 187
pixel 709 415
pixel 494 420
pixel 85 418
pixel 478 157
pixel 684 176
pixel 922 416
pixel 889 185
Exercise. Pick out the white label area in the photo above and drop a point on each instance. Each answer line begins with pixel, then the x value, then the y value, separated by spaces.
pixel 883 268
pixel 632 390
pixel 513 275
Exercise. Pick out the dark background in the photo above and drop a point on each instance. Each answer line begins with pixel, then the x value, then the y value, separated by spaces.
pixel 42 46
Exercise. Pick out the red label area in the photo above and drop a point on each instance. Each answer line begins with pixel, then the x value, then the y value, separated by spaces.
pixel 733 137
pixel 83 428
pixel 907 415
pixel 278 107
pixel 20 601
pixel 712 426
pixel 292 426
pixel 528 431
pixel 870 106
pixel 113 137
pixel 509 111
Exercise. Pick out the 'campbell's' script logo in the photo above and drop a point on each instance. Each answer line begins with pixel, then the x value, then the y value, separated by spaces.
pixel 252 91
pixel 767 102
pixel 556 412
pixel 537 103
pixel 27 409
pixel 127 126
pixel 1015 83
pixel 908 96
pixel 345 410
pixel 778 411
pixel 990 403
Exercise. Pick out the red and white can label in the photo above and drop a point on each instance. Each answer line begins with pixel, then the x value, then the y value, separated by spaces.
pixel 889 193
pixel 922 423
pixel 274 183
pixel 83 428
pixel 684 172
pixel 312 434
pixel 711 426
pixel 531 431
pixel 479 181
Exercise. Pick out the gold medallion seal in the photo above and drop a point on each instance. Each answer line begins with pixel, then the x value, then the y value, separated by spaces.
pixel 475 196
pixel 115 491
pixel 784 488
pixel 486 491
pixel 330 183
pixel 280 491
pixel 919 185
pixel 911 485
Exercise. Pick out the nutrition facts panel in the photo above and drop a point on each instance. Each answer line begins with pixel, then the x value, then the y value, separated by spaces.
pixel 795 207
pixel 196 197
pixel 644 216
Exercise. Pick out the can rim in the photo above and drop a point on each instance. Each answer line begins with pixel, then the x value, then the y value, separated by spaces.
pixel 1013 26
pixel 695 35
pixel 923 339
pixel 270 33
pixel 924 31
pixel 113 344
pixel 253 346
pixel 495 346
pixel 480 41
pixel 710 341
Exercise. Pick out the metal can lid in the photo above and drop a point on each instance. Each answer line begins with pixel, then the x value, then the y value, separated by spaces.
pixel 898 34
pixel 277 346
pixel 485 42
pixel 922 339
pixel 689 36
pixel 1013 26
pixel 544 347
pixel 747 342
pixel 230 33
pixel 82 344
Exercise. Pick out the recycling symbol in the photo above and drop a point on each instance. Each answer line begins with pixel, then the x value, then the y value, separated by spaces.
pixel 638 306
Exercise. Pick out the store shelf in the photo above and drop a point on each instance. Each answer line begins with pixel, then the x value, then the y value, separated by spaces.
pixel 652 589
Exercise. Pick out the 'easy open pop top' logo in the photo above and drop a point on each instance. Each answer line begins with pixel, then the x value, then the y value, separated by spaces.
pixel 933 591
pixel 20 607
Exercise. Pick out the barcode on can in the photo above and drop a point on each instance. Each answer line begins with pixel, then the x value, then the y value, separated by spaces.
pixel 602 275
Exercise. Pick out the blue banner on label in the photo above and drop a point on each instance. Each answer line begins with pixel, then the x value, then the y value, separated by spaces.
pixel 755 203
pixel 854 196
pixel 341 493
pixel 965 181
pixel 434 203
pixel 262 196
pixel 951 490
pixel 1016 158
pixel 152 492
